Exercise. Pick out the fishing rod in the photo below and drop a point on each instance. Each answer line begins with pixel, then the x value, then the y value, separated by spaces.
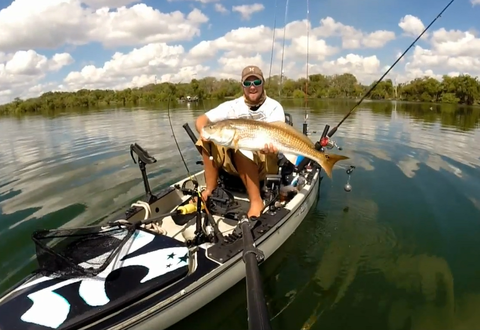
pixel 334 130
pixel 195 191
pixel 273 44
pixel 305 124
pixel 308 51
pixel 283 49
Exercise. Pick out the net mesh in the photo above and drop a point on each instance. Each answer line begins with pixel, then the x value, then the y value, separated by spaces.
pixel 80 252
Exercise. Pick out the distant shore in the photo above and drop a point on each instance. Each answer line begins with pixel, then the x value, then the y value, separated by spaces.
pixel 463 90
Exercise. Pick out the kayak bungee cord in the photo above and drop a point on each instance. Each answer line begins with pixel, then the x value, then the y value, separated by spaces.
pixel 333 130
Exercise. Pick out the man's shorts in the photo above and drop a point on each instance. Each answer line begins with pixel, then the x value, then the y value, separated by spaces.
pixel 223 157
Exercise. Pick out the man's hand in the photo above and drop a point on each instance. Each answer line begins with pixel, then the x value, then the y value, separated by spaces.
pixel 269 149
pixel 201 121
pixel 202 137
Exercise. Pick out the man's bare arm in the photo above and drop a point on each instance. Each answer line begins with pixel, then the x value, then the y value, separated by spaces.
pixel 201 121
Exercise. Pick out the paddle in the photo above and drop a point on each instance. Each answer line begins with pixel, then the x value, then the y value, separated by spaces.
pixel 258 317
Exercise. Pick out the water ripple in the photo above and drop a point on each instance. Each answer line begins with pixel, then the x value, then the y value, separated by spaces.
pixel 384 253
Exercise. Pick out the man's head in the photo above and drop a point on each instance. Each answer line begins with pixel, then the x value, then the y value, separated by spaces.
pixel 252 83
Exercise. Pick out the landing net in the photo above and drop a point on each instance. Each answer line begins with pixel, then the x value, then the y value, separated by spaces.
pixel 79 252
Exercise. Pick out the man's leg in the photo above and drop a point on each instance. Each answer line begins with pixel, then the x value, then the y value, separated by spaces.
pixel 248 171
pixel 211 167
pixel 211 175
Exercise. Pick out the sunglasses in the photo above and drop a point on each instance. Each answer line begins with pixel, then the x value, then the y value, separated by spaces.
pixel 248 83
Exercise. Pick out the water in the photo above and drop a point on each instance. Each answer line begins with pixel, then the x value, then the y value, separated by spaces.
pixel 399 252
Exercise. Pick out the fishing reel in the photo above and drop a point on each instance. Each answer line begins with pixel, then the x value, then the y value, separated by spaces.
pixel 189 187
pixel 326 142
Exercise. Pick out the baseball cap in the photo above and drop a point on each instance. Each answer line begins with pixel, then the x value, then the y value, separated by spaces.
pixel 252 70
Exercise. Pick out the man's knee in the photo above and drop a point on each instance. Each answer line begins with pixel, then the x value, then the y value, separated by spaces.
pixel 217 153
pixel 265 164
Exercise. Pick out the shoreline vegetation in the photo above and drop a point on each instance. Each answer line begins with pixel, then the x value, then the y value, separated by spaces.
pixel 463 89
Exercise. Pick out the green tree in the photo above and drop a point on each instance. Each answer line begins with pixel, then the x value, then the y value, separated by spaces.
pixel 462 89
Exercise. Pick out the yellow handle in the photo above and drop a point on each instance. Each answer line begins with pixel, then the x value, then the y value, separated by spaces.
pixel 188 208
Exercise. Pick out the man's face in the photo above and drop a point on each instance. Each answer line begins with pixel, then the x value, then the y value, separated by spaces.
pixel 252 88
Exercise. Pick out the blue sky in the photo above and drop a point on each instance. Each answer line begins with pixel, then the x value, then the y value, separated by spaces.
pixel 365 15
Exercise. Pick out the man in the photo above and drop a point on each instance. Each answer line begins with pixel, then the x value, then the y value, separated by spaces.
pixel 253 167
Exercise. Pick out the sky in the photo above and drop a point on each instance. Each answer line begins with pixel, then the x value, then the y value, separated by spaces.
pixel 66 45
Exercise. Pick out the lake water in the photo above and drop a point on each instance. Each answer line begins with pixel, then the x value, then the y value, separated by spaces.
pixel 400 251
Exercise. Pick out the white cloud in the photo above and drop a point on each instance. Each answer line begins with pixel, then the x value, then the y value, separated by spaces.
pixel 475 2
pixel 452 52
pixel 221 8
pixel 352 38
pixel 201 1
pixel 365 69
pixel 22 70
pixel 246 11
pixel 95 4
pixel 411 25
pixel 53 23
pixel 130 69
pixel 455 43
pixel 317 48
pixel 158 50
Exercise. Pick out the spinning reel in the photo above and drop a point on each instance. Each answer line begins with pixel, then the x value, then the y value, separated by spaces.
pixel 326 143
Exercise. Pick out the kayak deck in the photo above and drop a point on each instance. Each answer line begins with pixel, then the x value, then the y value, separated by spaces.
pixel 185 224
pixel 164 268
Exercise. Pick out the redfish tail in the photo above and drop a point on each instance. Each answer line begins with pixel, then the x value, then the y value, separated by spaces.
pixel 327 161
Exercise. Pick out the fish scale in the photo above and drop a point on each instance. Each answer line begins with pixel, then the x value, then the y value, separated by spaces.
pixel 252 135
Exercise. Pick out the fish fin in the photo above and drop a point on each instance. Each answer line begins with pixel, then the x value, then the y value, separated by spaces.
pixel 236 138
pixel 291 158
pixel 247 153
pixel 286 127
pixel 327 161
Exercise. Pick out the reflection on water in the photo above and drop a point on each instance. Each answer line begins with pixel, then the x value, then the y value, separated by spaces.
pixel 398 252
pixel 83 162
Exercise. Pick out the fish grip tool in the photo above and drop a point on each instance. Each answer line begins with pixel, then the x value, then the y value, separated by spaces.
pixel 79 252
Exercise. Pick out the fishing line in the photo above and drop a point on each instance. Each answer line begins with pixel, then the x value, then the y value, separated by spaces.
pixel 333 130
pixel 273 43
pixel 283 49
pixel 174 137
pixel 181 155
pixel 308 50
pixel 307 60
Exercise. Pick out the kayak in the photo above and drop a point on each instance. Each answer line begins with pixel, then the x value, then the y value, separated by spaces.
pixel 164 258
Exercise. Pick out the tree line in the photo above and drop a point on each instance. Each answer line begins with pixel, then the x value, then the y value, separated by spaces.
pixel 463 89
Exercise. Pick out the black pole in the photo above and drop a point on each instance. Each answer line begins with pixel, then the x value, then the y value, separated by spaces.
pixel 190 132
pixel 330 134
pixel 258 318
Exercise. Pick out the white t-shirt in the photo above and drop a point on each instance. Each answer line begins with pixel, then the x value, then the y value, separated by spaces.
pixel 271 110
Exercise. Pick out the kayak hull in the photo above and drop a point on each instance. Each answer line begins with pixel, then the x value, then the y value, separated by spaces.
pixel 139 290
pixel 224 277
